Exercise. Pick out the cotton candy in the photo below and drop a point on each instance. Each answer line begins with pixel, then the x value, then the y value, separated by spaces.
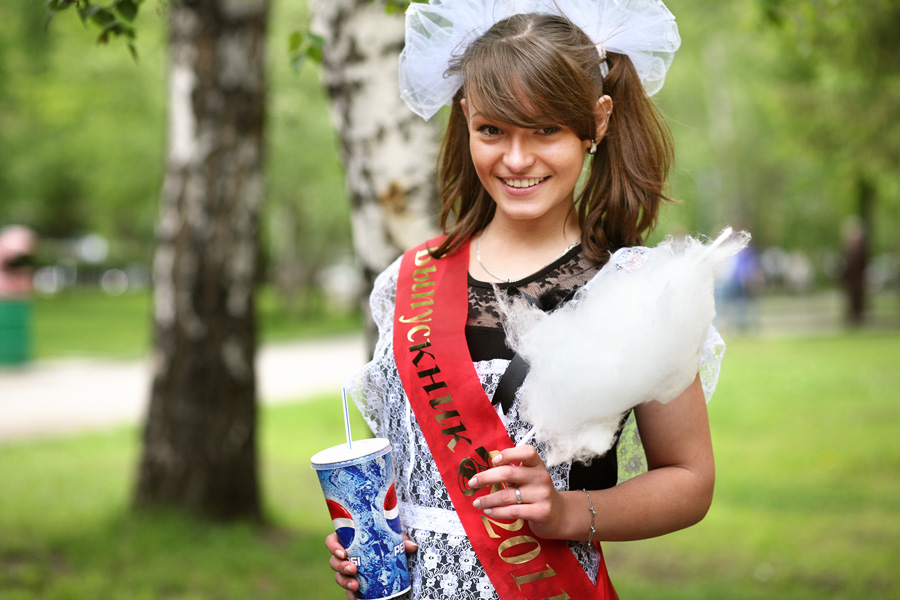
pixel 630 336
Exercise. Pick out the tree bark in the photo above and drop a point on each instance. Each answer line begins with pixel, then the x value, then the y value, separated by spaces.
pixel 199 450
pixel 389 153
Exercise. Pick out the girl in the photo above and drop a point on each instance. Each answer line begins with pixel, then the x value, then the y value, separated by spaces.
pixel 535 92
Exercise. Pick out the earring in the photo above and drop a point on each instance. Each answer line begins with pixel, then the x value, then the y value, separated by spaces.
pixel 593 149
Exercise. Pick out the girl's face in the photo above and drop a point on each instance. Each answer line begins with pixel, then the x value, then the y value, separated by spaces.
pixel 530 173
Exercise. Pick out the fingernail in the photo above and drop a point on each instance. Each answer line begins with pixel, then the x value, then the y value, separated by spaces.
pixel 348 569
pixel 488 511
pixel 477 503
pixel 340 554
pixel 497 458
pixel 473 482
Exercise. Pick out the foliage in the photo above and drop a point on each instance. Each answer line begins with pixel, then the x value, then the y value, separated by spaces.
pixel 776 107
pixel 846 81
pixel 113 20
pixel 82 139
pixel 806 502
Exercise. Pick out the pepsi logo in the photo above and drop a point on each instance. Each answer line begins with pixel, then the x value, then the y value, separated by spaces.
pixel 343 522
pixel 391 510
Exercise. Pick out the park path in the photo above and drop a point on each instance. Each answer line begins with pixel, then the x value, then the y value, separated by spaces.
pixel 64 396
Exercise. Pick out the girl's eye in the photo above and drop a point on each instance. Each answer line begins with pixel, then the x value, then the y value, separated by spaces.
pixel 549 130
pixel 489 130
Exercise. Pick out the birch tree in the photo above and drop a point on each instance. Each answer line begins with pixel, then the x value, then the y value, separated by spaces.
pixel 200 436
pixel 389 153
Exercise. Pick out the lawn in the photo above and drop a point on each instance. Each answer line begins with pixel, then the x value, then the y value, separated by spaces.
pixel 807 500
pixel 89 323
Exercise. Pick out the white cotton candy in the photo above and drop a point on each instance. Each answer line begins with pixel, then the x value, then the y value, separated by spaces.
pixel 630 336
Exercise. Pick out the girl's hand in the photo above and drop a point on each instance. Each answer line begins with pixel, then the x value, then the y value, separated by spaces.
pixel 521 468
pixel 344 570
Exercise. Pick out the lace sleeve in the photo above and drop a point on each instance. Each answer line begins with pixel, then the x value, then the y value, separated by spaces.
pixel 711 356
pixel 369 386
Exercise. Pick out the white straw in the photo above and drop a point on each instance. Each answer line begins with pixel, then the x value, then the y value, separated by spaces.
pixel 347 418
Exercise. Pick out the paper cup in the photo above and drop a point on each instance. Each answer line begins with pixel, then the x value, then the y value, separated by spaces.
pixel 359 490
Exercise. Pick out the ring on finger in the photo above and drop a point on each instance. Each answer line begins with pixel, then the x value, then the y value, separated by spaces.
pixel 518 496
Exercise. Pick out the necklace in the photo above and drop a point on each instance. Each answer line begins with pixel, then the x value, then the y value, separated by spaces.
pixel 505 280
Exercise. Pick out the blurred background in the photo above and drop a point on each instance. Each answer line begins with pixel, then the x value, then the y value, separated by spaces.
pixel 785 120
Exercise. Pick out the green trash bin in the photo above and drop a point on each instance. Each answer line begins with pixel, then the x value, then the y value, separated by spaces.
pixel 15 331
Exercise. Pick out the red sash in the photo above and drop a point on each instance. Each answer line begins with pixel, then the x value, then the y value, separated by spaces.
pixel 464 432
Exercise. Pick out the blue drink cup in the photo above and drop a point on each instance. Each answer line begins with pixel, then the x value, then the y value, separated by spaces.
pixel 359 490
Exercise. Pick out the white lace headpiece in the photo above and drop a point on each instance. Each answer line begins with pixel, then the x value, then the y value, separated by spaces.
pixel 442 30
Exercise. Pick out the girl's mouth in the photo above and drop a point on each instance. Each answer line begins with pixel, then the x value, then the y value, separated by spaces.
pixel 523 183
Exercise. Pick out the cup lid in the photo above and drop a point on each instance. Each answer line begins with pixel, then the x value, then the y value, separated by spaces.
pixel 343 455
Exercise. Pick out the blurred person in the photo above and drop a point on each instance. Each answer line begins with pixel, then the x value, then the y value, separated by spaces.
pixel 856 258
pixel 17 246
pixel 740 283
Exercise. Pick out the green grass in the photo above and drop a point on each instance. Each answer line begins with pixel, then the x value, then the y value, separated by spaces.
pixel 80 323
pixel 807 500
pixel 66 531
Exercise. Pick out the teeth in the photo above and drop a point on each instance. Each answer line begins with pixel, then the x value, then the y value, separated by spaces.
pixel 522 183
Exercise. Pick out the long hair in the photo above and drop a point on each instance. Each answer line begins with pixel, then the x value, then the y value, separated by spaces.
pixel 535 70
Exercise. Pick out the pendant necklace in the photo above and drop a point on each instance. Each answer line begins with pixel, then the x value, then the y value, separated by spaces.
pixel 508 281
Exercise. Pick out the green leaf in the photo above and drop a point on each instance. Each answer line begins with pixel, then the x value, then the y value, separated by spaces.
pixel 126 9
pixel 50 15
pixel 102 17
pixel 303 47
pixel 295 42
pixel 88 11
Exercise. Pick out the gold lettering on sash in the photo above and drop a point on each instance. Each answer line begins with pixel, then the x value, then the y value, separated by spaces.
pixel 469 467
pixel 455 431
pixel 419 349
pixel 435 384
pixel 489 522
pixel 423 257
pixel 447 414
pixel 434 402
pixel 518 559
pixel 417 329
pixel 424 301
pixel 423 274
pixel 418 318
pixel 532 577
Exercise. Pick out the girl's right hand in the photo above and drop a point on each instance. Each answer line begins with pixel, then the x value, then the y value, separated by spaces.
pixel 344 570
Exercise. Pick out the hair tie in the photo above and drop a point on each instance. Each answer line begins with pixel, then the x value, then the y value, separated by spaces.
pixel 604 66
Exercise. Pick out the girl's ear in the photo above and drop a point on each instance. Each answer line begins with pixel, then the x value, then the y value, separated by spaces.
pixel 602 113
pixel 465 107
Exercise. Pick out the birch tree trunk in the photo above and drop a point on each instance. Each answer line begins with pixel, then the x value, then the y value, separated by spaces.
pixel 199 449
pixel 389 153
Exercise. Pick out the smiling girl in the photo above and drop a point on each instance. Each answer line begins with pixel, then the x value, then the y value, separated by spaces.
pixel 543 95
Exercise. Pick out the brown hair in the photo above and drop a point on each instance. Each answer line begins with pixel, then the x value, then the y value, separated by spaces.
pixel 536 70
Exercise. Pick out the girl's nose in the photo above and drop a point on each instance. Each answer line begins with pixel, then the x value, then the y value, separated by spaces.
pixel 519 155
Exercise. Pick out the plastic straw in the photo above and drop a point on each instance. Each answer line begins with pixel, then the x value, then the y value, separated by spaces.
pixel 347 419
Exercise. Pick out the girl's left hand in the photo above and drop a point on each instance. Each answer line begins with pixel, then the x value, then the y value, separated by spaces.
pixel 522 469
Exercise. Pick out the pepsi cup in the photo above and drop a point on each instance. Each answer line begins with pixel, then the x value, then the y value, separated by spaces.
pixel 359 491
